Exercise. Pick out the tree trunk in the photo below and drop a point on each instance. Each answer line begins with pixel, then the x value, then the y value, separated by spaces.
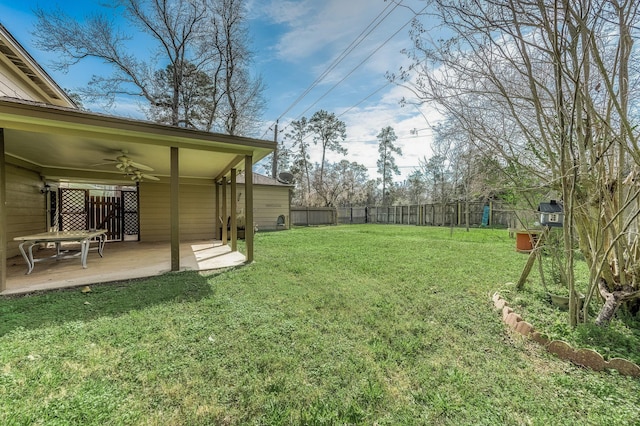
pixel 612 301
pixel 611 304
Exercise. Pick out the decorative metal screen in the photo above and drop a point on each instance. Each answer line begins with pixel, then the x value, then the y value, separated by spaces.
pixel 54 210
pixel 130 212
pixel 73 209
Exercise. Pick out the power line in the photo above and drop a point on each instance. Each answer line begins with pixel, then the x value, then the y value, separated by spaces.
pixel 355 43
pixel 345 111
pixel 362 62
pixel 342 56
pixel 365 98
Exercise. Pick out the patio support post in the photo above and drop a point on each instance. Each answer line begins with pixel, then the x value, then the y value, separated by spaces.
pixel 234 213
pixel 3 216
pixel 217 233
pixel 248 201
pixel 225 215
pixel 175 211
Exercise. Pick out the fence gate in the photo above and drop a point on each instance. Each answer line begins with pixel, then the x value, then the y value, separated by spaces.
pixel 117 214
pixel 106 213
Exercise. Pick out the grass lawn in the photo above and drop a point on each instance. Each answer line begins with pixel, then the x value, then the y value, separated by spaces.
pixel 386 325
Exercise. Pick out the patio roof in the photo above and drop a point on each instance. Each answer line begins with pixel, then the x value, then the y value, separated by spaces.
pixel 66 143
pixel 49 135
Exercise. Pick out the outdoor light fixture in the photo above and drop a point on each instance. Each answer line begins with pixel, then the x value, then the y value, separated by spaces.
pixel 46 188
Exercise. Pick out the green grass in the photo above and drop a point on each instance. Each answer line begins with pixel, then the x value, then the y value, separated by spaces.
pixel 387 325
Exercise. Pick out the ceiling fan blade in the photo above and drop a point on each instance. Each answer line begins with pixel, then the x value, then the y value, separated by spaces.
pixel 109 162
pixel 149 177
pixel 140 166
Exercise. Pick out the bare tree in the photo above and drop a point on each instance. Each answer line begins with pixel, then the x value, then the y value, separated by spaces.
pixel 242 93
pixel 203 53
pixel 344 184
pixel 546 85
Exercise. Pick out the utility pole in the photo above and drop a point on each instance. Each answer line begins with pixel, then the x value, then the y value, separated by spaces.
pixel 274 163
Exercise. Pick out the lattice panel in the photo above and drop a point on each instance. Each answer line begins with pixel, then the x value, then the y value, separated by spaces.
pixel 131 223
pixel 130 199
pixel 73 209
pixel 130 204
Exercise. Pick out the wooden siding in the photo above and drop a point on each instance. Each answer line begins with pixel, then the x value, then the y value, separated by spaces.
pixel 197 212
pixel 12 86
pixel 269 202
pixel 26 212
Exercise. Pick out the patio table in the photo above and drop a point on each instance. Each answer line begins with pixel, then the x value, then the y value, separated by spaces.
pixel 58 237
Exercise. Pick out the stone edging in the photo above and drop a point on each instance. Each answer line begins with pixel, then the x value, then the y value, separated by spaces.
pixel 582 357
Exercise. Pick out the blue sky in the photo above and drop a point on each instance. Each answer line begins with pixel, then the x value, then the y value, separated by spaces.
pixel 294 42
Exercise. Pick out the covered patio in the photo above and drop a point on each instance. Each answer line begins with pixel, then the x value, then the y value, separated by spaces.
pixel 179 212
pixel 122 261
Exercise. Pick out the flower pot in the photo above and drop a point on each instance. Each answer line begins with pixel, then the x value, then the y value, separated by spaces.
pixel 526 240
pixel 562 302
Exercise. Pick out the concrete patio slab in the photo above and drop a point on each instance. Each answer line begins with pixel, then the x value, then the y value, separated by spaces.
pixel 121 261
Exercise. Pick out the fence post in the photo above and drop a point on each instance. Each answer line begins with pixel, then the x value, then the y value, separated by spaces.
pixel 490 212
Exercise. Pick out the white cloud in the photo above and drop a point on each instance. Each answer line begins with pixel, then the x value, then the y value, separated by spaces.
pixel 412 126
pixel 286 12
pixel 317 32
pixel 328 26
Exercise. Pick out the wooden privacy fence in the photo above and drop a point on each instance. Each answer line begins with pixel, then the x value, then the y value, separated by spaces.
pixel 488 214
pixel 447 214
pixel 313 216
pixel 353 214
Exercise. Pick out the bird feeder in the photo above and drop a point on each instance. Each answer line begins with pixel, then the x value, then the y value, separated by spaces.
pixel 551 214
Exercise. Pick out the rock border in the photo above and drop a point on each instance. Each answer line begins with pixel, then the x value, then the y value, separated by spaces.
pixel 583 357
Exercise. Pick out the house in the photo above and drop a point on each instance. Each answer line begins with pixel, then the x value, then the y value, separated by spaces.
pixel 175 179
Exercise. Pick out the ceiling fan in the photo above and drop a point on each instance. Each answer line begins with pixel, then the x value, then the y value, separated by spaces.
pixel 124 163
pixel 130 168
pixel 138 176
